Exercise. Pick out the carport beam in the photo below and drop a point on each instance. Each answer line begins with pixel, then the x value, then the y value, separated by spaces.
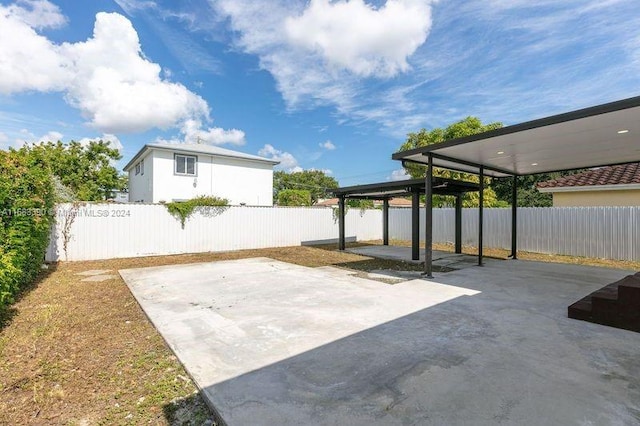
pixel 458 245
pixel 514 218
pixel 428 228
pixel 480 215
pixel 415 225
pixel 385 222
pixel 341 244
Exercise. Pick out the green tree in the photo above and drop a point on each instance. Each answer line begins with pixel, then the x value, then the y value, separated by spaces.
pixel 360 204
pixel 468 126
pixel 85 169
pixel 316 182
pixel 294 197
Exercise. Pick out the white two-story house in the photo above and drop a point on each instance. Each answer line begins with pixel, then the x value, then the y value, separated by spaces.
pixel 176 172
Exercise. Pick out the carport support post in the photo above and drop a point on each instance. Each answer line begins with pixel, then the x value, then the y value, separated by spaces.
pixel 385 222
pixel 458 245
pixel 341 245
pixel 480 215
pixel 415 225
pixel 514 218
pixel 428 228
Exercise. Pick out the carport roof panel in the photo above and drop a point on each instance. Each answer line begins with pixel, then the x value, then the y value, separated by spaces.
pixel 381 190
pixel 602 135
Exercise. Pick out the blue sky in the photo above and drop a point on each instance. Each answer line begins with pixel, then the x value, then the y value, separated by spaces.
pixel 328 85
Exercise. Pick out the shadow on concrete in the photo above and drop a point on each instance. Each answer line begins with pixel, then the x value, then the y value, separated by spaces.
pixel 394 265
pixel 501 356
pixel 361 379
pixel 9 312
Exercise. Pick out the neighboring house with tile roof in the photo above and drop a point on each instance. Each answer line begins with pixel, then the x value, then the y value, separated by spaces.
pixel 162 172
pixel 604 186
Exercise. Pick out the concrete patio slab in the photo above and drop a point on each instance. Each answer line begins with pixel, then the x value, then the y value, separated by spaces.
pixel 274 343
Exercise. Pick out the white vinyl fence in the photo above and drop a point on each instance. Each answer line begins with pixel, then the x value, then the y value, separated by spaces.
pixel 102 231
pixel 599 232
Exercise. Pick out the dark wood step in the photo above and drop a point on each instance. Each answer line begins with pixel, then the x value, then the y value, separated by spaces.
pixel 616 305
pixel 629 290
pixel 581 310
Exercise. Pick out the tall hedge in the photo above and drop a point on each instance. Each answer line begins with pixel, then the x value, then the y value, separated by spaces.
pixel 26 206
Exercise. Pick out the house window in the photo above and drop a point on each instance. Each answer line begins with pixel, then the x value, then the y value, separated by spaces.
pixel 137 169
pixel 185 164
pixel 142 167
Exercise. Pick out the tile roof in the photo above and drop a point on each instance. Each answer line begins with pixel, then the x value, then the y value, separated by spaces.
pixel 610 175
pixel 327 203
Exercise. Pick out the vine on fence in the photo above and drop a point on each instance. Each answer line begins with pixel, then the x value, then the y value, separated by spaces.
pixel 182 210
pixel 69 217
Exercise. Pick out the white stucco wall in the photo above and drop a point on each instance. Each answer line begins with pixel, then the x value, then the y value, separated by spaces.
pixel 141 185
pixel 243 181
pixel 238 180
pixel 171 187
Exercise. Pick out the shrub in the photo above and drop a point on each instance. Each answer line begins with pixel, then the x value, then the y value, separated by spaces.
pixel 294 197
pixel 183 209
pixel 26 203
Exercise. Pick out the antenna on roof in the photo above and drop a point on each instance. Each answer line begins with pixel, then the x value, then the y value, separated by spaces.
pixel 198 140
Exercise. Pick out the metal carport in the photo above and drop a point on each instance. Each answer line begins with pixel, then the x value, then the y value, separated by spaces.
pixel 414 187
pixel 598 136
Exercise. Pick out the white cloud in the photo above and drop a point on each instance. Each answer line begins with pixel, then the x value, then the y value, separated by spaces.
pixel 107 77
pixel 193 133
pixel 37 13
pixel 327 172
pixel 328 145
pixel 132 6
pixel 7 141
pixel 28 61
pixel 24 136
pixel 51 136
pixel 355 36
pixel 499 60
pixel 325 64
pixel 287 161
pixel 399 174
pixel 27 136
pixel 118 89
pixel 106 137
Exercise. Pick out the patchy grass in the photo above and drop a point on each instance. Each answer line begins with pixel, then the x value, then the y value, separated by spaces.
pixel 74 352
pixel 541 257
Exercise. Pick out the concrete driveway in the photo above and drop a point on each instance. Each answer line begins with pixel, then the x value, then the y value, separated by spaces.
pixel 273 343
